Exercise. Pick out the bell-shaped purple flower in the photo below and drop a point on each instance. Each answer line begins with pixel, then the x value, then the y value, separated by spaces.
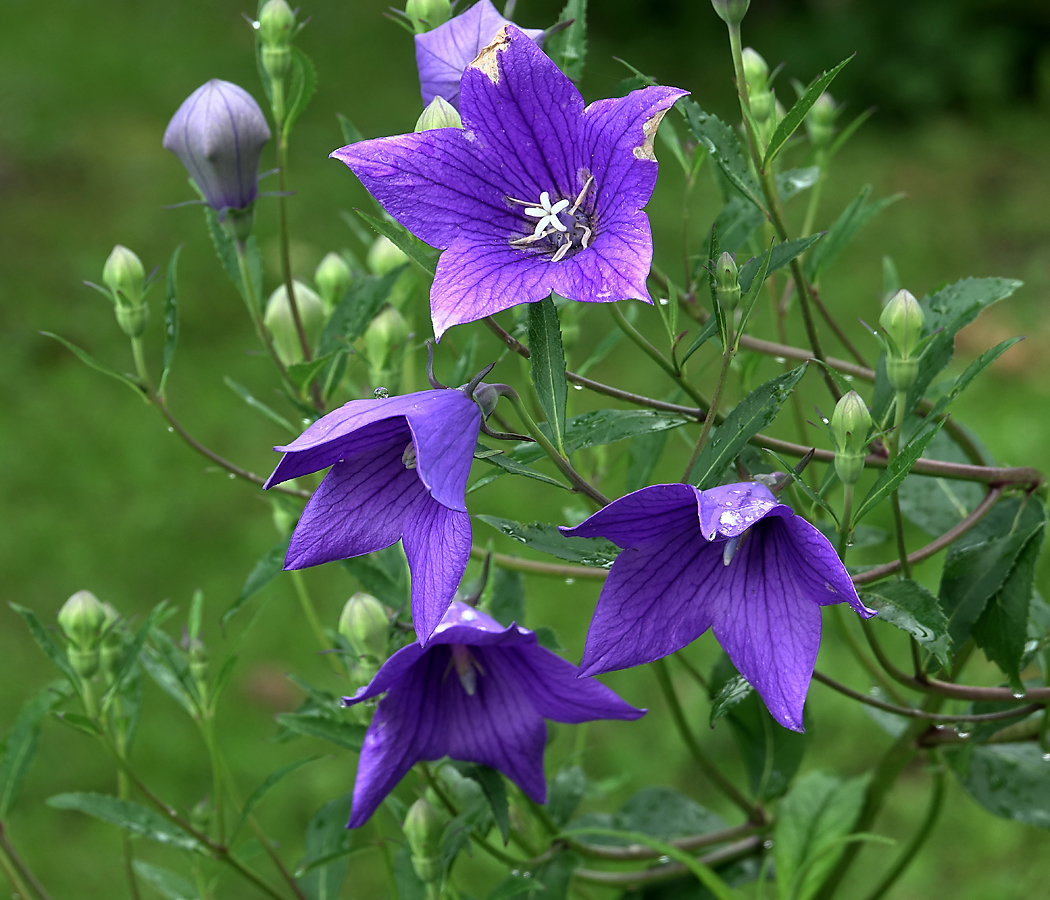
pixel 218 133
pixel 442 55
pixel 732 559
pixel 478 692
pixel 399 470
pixel 536 193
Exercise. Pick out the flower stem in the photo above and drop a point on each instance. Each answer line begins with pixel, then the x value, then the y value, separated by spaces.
pixel 846 521
pixel 254 311
pixel 308 609
pixel 663 677
pixel 10 856
pixel 533 567
pixel 19 890
pixel 138 352
pixel 207 726
pixel 895 502
pixel 727 358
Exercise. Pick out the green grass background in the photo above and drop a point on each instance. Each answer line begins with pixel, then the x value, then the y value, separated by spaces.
pixel 97 494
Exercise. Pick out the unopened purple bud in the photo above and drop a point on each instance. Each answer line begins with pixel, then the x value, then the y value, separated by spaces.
pixel 218 133
pixel 731 12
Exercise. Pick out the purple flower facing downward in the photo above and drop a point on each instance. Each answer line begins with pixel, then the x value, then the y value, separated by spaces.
pixel 732 559
pixel 442 55
pixel 478 692
pixel 536 193
pixel 218 133
pixel 399 470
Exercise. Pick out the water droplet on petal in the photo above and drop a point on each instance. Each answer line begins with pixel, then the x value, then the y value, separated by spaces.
pixel 382 393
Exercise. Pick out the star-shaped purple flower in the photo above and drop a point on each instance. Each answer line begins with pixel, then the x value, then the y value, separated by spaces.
pixel 478 692
pixel 399 470
pixel 731 558
pixel 442 55
pixel 536 193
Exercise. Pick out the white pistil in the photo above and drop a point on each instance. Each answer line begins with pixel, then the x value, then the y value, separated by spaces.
pixel 547 214
pixel 732 546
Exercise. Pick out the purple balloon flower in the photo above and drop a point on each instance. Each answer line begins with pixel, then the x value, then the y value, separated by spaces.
pixel 399 470
pixel 218 133
pixel 536 193
pixel 442 55
pixel 732 559
pixel 479 692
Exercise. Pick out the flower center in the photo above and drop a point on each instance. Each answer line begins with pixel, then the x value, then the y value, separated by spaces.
pixel 466 666
pixel 561 230
pixel 733 545
pixel 409 456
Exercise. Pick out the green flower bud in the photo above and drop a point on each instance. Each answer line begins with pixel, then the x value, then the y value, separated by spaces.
pixel 760 97
pixel 727 284
pixel 281 325
pixel 426 15
pixel 365 625
pixel 276 21
pixel 385 333
pixel 124 276
pixel 332 278
pixel 423 828
pixel 850 424
pixel 385 256
pixel 731 12
pixel 81 619
pixel 198 655
pixel 132 319
pixel 820 120
pixel 440 114
pixel 902 320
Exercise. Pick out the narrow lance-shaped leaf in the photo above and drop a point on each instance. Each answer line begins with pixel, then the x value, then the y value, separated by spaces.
pixel 47 643
pixel 346 734
pixel 568 48
pixel 411 246
pixel 93 363
pixel 750 298
pixel 780 256
pixel 241 391
pixel 894 474
pixel 909 606
pixel 361 303
pixel 130 816
pixel 304 83
pixel 595 552
pixel 130 656
pixel 491 784
pixel 166 883
pixel 723 144
pixel 326 835
pixel 795 116
pixel 845 228
pixel 264 571
pixel 171 320
pixel 21 745
pixel 263 788
pixel 227 252
pixel 547 366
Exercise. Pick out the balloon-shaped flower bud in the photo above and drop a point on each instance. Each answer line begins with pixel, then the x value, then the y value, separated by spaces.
pixel 727 282
pixel 439 114
pixel 731 12
pixel 276 21
pixel 124 276
pixel 81 620
pixel 281 324
pixel 385 340
pixel 332 278
pixel 850 424
pixel 820 120
pixel 385 256
pixel 756 75
pixel 902 321
pixel 365 626
pixel 426 15
pixel 218 133
pixel 423 828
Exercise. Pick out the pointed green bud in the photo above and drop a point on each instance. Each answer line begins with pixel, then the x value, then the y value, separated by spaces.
pixel 276 21
pixel 440 114
pixel 281 325
pixel 384 256
pixel 760 97
pixel 332 278
pixel 850 424
pixel 124 276
pixel 820 120
pixel 731 12
pixel 426 15
pixel 385 334
pixel 81 619
pixel 902 320
pixel 727 282
pixel 423 828
pixel 365 625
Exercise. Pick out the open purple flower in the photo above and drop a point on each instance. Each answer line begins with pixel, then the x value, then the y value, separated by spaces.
pixel 399 470
pixel 732 559
pixel 478 692
pixel 536 193
pixel 442 55
pixel 218 133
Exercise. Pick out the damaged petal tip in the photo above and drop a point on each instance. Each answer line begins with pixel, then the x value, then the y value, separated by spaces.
pixel 486 59
pixel 645 150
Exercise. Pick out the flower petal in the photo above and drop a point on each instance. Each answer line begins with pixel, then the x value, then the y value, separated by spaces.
pixel 643 516
pixel 730 509
pixel 818 566
pixel 614 266
pixel 445 432
pixel 389 674
pixel 437 544
pixel 463 624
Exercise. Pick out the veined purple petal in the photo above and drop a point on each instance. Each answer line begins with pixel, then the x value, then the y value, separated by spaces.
pixel 643 516
pixel 818 565
pixel 614 267
pixel 464 624
pixel 437 543
pixel 729 510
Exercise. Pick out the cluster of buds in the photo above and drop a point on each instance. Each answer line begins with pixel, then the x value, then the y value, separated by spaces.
pixel 365 626
pixel 82 619
pixel 125 281
pixel 850 425
pixel 332 277
pixel 727 283
pixel 280 322
pixel 384 341
pixel 426 15
pixel 761 99
pixel 902 323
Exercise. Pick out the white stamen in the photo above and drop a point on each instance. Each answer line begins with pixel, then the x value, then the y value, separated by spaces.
pixel 579 199
pixel 562 250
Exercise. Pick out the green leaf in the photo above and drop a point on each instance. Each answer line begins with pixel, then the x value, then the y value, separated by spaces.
pixel 740 217
pixel 409 886
pixel 20 745
pixel 93 363
pixel 464 367
pixel 129 658
pixel 47 643
pixel 263 788
pixel 750 296
pixel 410 245
pixel 596 552
pixel 751 415
pixel 642 458
pixel 972 371
pixel 350 132
pixel 722 143
pixel 302 374
pixel 548 638
pixel 780 255
pixel 227 251
pixel 1011 781
pixel 816 814
pixel 910 607
pixel 361 303
pixel 81 723
pixel 845 228
pixel 795 116
pixel 606 344
pixel 566 791
pixel 547 366
pixel 346 734
pixel 171 320
pixel 732 693
pixel 491 784
pixel 304 83
pixel 130 816
pixel 894 474
pixel 515 886
pixel 706 333
pixel 164 882
pixel 554 876
pixel 511 466
pixel 605 426
pixel 264 571
pixel 508 597
pixel 167 680
pixel 939 504
pixel 568 48
pixel 384 574
pixel 326 835
pixel 241 391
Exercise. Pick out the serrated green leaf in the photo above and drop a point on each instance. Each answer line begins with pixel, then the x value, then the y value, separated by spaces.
pixel 733 692
pixel 779 256
pixel 262 573
pixel 844 229
pixel 171 320
pixel 326 835
pixel 719 140
pixel 304 83
pixel 262 789
pixel 93 363
pixel 894 474
pixel 750 296
pixel 547 366
pixel 795 116
pixel 566 791
pixel 166 883
pixel 20 745
pixel 706 333
pixel 511 466
pixel 346 734
pixel 596 552
pixel 568 48
pixel 972 371
pixel 1011 781
pixel 939 504
pixel 740 217
pixel 605 426
pixel 227 252
pixel 384 574
pixel 909 606
pixel 491 784
pixel 303 374
pixel 508 597
pixel 748 417
pixel 130 816
pixel 129 658
pixel 360 304
pixel 81 723
pixel 410 245
pixel 157 668
pixel 47 643
pixel 241 391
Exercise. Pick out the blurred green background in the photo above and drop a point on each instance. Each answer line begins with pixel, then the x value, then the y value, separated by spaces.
pixel 97 494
